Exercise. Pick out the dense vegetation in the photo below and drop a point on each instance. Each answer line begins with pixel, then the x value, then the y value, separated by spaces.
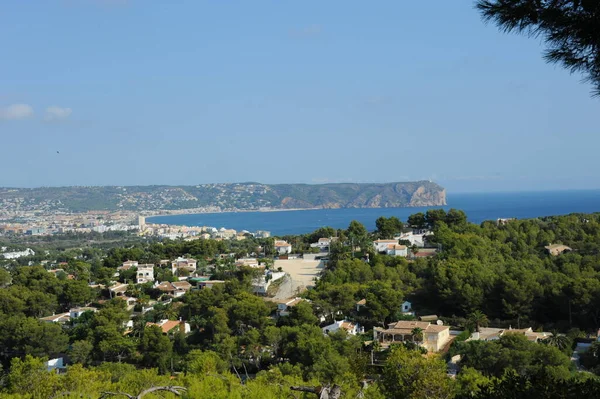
pixel 489 274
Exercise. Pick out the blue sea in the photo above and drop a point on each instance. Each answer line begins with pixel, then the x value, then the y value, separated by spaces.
pixel 477 206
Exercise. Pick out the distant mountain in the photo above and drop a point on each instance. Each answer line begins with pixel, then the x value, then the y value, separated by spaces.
pixel 234 196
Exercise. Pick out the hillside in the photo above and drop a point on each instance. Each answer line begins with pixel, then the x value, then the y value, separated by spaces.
pixel 233 196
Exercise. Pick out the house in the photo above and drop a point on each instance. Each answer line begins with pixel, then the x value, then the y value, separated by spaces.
pixel 556 249
pixel 283 308
pixel 413 237
pixel 182 286
pixel 175 289
pixel 351 328
pixel 179 264
pixel 397 250
pixel 283 247
pixel 492 334
pixel 504 221
pixel 128 265
pixel 145 274
pixel 130 301
pixel 382 245
pixel 247 262
pixel 16 254
pixel 435 336
pixel 210 283
pixel 118 289
pixel 169 327
pixel 57 365
pixel 360 304
pixel 323 243
pixel 406 308
pixel 76 312
pixel 423 253
pixel 56 272
pixel 60 318
pixel 261 284
pixel 226 233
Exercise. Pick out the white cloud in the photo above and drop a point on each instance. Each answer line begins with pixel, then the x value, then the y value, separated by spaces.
pixel 16 111
pixel 56 113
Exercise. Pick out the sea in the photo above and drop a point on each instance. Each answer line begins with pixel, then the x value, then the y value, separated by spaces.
pixel 477 206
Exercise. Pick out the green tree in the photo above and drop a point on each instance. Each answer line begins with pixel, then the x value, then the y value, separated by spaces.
pixel 455 218
pixel 302 314
pixel 204 362
pixel 417 335
pixel 358 236
pixel 30 377
pixel 156 348
pixel 557 340
pixel 434 216
pixel 472 383
pixel 5 278
pixel 417 220
pixel 388 227
pixel 76 293
pixel 25 335
pixel 409 375
pixel 569 28
pixel 321 232
pixel 478 319
pixel 81 351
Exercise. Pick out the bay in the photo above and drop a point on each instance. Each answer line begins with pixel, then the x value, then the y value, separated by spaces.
pixel 477 206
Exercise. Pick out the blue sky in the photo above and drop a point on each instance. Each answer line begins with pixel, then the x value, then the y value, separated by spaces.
pixel 186 92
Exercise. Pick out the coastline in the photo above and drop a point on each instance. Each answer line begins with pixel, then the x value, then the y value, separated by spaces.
pixel 197 212
pixel 190 212
pixel 479 207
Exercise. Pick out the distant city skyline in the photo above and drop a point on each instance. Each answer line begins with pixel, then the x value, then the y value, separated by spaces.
pixel 125 92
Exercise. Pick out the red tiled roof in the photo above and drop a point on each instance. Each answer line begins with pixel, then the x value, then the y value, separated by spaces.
pixel 165 327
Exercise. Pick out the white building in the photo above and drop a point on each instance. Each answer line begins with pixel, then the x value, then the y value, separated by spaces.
pixel 414 238
pixel 17 254
pixel 406 308
pixel 145 274
pixel 180 263
pixel 76 312
pixel 55 364
pixel 323 244
pixel 261 284
pixel 351 328
pixel 247 262
pixel 382 245
pixel 169 327
pixel 397 250
pixel 283 308
pixel 128 265
pixel 283 247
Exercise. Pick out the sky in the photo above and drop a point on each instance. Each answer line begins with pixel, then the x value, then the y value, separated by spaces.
pixel 132 92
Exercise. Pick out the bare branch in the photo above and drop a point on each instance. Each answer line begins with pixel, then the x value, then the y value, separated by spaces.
pixel 107 394
pixel 176 390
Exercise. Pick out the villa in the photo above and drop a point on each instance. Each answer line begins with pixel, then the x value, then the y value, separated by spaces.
pixel 435 336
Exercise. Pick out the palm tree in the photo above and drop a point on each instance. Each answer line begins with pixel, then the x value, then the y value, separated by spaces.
pixel 197 322
pixel 138 327
pixel 166 312
pixel 478 319
pixel 417 334
pixel 557 340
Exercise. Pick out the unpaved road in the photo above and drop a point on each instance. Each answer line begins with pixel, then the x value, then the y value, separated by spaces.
pixel 300 275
